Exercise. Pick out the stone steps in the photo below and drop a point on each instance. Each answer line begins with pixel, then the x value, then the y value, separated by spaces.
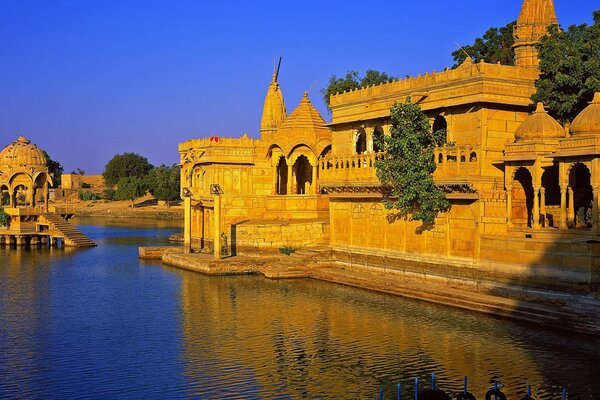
pixel 517 309
pixel 71 235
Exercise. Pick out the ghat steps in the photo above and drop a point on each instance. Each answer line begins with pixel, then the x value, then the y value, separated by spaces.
pixel 72 236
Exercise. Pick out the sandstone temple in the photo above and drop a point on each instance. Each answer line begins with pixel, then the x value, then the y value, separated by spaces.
pixel 524 190
pixel 24 195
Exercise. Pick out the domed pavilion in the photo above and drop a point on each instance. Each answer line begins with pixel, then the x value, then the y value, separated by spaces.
pixel 24 176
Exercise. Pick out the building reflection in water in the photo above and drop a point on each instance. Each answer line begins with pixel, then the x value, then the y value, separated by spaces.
pixel 308 338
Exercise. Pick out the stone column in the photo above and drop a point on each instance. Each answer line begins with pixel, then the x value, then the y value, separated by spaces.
pixel 314 179
pixel 275 180
pixel 369 132
pixel 289 179
pixel 217 227
pixel 543 205
pixel 187 224
pixel 46 196
pixel 509 206
pixel 536 208
pixel 595 218
pixel 562 224
pixel 571 208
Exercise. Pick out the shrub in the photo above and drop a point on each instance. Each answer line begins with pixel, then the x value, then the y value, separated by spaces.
pixel 86 195
pixel 287 250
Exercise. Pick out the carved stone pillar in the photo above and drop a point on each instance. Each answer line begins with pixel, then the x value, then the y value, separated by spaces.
pixel 543 206
pixel 187 224
pixel 509 206
pixel 536 208
pixel 369 132
pixel 276 180
pixel 289 178
pixel 314 179
pixel 217 228
pixel 571 208
pixel 562 224
pixel 595 217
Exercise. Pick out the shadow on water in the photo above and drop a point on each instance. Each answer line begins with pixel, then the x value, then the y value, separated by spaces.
pixel 309 338
pixel 560 348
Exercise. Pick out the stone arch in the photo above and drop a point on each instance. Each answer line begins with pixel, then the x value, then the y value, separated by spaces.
pixel 360 141
pixel 440 128
pixel 378 136
pixel 522 197
pixel 550 197
pixel 21 189
pixel 303 174
pixel 40 189
pixel 4 195
pixel 281 175
pixel 580 184
pixel 302 150
pixel 326 151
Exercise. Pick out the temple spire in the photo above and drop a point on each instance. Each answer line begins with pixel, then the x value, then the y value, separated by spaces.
pixel 533 22
pixel 274 107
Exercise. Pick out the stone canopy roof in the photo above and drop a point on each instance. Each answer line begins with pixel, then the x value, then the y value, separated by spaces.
pixel 304 126
pixel 588 121
pixel 539 126
pixel 22 153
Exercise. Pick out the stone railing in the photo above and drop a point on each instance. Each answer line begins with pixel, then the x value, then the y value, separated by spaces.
pixel 456 161
pixel 25 210
pixel 352 169
pixel 62 209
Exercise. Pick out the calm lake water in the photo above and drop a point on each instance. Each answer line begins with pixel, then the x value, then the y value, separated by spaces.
pixel 99 323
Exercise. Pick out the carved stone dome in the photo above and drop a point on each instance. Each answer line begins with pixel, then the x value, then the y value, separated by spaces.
pixel 22 153
pixel 539 126
pixel 588 121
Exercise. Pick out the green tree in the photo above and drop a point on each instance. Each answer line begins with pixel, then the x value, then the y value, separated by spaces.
pixel 125 165
pixel 130 188
pixel 408 164
pixel 54 168
pixel 570 69
pixel 87 195
pixel 163 182
pixel 495 46
pixel 352 81
pixel 4 198
pixel 4 218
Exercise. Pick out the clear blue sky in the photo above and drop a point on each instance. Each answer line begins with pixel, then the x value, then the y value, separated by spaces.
pixel 87 79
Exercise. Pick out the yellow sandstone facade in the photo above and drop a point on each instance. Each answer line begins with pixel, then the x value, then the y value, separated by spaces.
pixel 524 190
pixel 24 196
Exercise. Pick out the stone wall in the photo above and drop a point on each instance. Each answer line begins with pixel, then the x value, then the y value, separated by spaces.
pixel 253 236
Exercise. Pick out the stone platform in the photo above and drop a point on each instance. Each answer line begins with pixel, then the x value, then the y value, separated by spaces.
pixel 564 311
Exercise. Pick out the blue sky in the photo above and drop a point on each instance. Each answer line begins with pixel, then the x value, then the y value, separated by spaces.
pixel 87 79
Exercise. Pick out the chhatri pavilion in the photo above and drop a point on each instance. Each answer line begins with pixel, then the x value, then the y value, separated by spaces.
pixel 524 190
pixel 24 186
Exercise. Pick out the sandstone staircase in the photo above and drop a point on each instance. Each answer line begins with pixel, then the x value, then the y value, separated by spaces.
pixel 71 236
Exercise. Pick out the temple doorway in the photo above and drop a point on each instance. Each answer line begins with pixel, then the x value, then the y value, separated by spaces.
pixel 522 195
pixel 440 130
pixel 20 196
pixel 579 182
pixel 550 198
pixel 4 196
pixel 303 172
pixel 282 176
pixel 361 141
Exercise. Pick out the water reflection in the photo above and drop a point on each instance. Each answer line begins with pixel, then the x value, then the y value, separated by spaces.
pixel 100 323
pixel 313 339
